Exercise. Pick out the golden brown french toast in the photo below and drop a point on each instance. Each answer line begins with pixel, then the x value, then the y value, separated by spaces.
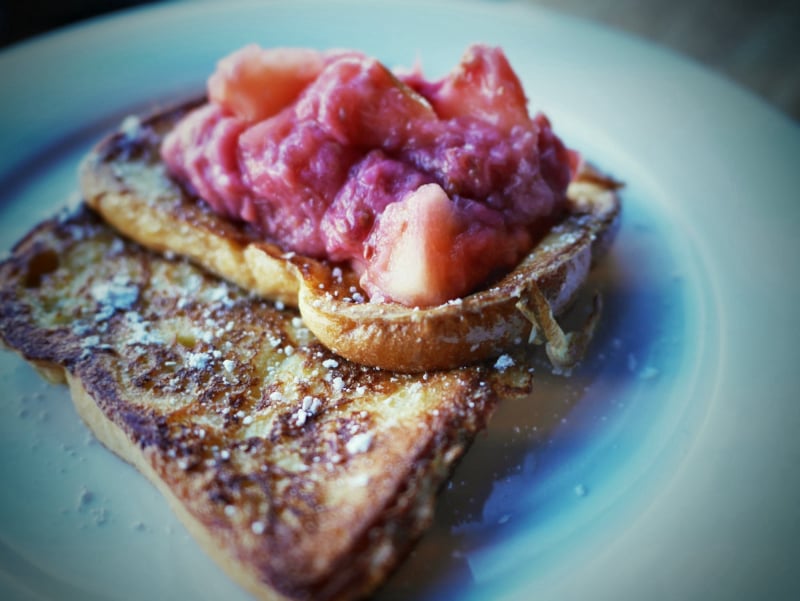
pixel 125 181
pixel 304 475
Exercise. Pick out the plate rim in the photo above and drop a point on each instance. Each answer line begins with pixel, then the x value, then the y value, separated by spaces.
pixel 742 98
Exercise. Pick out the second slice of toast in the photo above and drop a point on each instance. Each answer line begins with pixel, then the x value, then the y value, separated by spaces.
pixel 303 475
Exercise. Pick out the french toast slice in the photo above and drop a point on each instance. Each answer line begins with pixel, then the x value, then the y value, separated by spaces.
pixel 125 181
pixel 303 475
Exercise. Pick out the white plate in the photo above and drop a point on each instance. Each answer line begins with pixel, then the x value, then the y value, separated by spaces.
pixel 665 468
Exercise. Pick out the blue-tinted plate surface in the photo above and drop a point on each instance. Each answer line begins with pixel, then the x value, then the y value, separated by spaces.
pixel 663 468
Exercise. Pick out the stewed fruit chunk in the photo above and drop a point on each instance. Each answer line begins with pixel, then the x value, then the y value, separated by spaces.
pixel 255 83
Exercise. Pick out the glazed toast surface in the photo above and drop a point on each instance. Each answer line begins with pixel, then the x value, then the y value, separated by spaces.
pixel 303 475
pixel 125 181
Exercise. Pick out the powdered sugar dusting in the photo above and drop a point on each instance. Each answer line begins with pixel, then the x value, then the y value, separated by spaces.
pixel 360 443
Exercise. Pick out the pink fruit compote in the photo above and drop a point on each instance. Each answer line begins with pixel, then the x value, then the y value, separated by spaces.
pixel 428 189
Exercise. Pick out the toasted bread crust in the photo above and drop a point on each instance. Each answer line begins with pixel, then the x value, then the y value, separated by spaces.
pixel 305 476
pixel 125 181
pixel 479 326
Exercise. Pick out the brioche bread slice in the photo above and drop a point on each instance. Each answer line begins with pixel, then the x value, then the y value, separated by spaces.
pixel 304 475
pixel 125 181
